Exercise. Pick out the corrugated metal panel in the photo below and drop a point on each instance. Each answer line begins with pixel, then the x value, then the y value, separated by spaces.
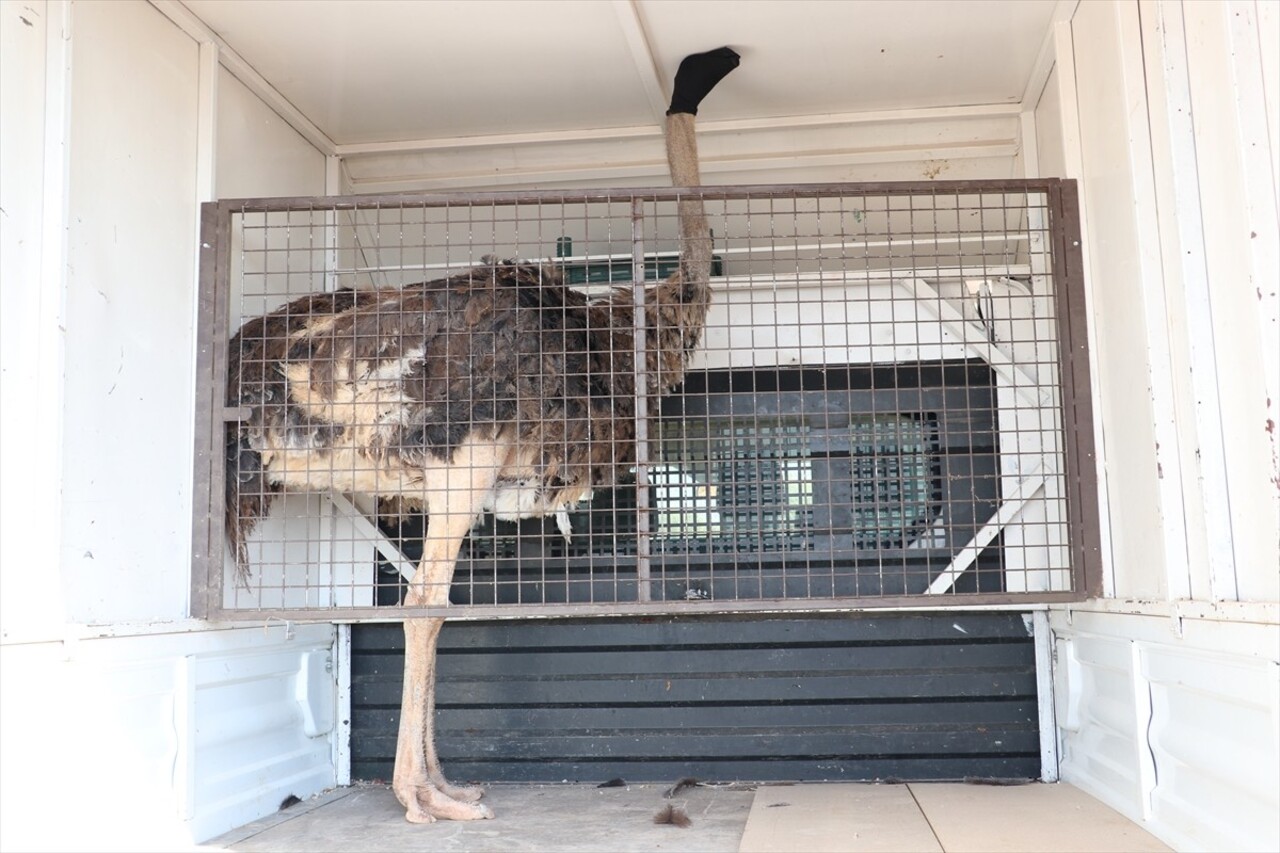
pixel 181 736
pixel 919 696
pixel 1173 722
pixel 262 718
pixel 1200 706
pixel 1100 716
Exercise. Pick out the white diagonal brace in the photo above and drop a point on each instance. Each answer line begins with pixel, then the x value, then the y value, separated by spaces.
pixel 974 338
pixel 376 537
pixel 1011 504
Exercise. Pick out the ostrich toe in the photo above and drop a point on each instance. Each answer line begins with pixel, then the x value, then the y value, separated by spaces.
pixel 427 804
pixel 463 794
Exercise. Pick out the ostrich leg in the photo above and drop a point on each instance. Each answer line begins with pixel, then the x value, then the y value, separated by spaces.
pixel 467 793
pixel 455 495
pixel 456 492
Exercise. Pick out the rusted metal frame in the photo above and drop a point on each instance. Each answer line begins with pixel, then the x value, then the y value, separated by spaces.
pixel 1073 365
pixel 208 489
pixel 375 200
pixel 224 414
pixel 952 601
pixel 1071 314
pixel 640 351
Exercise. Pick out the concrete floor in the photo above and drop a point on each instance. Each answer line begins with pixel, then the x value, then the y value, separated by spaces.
pixel 941 818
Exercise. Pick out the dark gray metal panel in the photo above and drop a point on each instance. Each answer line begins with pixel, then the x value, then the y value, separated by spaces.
pixel 911 696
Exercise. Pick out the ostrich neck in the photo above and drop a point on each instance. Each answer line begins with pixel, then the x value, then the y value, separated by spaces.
pixel 695 234
pixel 675 311
pixel 677 308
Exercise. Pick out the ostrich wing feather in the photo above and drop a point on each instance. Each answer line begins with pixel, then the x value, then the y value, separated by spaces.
pixel 358 390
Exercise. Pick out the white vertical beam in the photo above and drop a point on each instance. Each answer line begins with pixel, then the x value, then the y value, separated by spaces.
pixel 1263 24
pixel 1164 164
pixel 332 186
pixel 342 729
pixel 342 640
pixel 333 175
pixel 1160 373
pixel 46 447
pixel 1030 152
pixel 1044 696
pixel 1182 224
pixel 184 735
pixel 207 125
pixel 1253 42
pixel 1048 55
pixel 35 91
pixel 1073 158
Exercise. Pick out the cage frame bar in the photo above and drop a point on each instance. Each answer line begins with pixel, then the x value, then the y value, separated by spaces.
pixel 1079 457
pixel 639 365
pixel 285 204
pixel 1080 477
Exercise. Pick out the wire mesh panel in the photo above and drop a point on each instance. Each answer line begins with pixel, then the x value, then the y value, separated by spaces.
pixel 873 394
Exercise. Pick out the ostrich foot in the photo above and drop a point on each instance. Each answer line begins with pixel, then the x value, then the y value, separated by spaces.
pixel 425 803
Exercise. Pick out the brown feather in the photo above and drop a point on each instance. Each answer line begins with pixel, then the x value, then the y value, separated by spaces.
pixel 680 785
pixel 501 347
pixel 674 816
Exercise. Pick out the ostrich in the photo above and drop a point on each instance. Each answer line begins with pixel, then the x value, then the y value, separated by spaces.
pixel 496 390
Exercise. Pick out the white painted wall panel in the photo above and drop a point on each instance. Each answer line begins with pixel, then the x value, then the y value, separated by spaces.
pixel 1184 459
pixel 1174 723
pixel 32 118
pixel 1098 716
pixel 1118 311
pixel 169 738
pixel 1172 101
pixel 1050 152
pixel 131 255
pixel 35 741
pixel 251 744
pixel 1179 195
pixel 942 147
pixel 1215 721
pixel 258 154
pixel 1242 251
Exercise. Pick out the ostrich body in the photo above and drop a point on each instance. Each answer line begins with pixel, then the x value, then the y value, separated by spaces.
pixel 496 390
